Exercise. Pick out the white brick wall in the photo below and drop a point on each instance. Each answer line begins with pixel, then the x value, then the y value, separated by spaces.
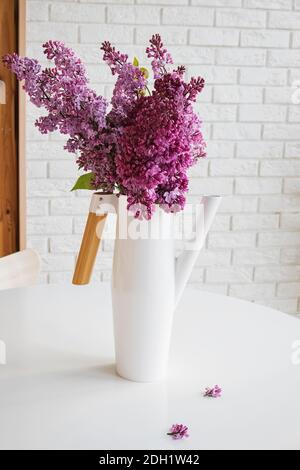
pixel 248 51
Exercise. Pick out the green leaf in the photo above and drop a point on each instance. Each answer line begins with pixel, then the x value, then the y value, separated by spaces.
pixel 84 182
pixel 145 72
pixel 136 62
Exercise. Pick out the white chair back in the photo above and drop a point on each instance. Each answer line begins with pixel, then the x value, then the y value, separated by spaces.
pixel 20 269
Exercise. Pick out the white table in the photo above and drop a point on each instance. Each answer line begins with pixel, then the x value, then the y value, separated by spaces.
pixel 59 390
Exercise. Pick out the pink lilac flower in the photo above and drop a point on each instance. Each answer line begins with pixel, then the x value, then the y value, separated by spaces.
pixel 194 87
pixel 179 431
pixel 215 392
pixel 114 59
pixel 161 141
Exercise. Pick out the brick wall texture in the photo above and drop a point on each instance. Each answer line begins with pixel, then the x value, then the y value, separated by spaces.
pixel 248 51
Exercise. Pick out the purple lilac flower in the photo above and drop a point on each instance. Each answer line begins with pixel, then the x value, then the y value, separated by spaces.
pixel 179 431
pixel 72 107
pixel 144 145
pixel 130 84
pixel 28 70
pixel 161 57
pixel 215 392
pixel 128 89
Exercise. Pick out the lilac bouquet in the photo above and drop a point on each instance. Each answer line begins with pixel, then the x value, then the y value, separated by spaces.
pixel 142 144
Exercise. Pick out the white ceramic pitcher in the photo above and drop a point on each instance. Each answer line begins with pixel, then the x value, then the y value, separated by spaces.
pixel 147 283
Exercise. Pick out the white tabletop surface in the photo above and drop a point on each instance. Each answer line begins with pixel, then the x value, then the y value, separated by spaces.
pixel 59 390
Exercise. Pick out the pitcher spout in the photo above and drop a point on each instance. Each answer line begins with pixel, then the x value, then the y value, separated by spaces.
pixel 185 262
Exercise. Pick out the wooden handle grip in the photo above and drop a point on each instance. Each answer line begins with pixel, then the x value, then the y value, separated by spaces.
pixel 89 248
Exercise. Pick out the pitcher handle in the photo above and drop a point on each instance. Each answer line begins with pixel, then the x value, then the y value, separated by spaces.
pixel 185 262
pixel 101 205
